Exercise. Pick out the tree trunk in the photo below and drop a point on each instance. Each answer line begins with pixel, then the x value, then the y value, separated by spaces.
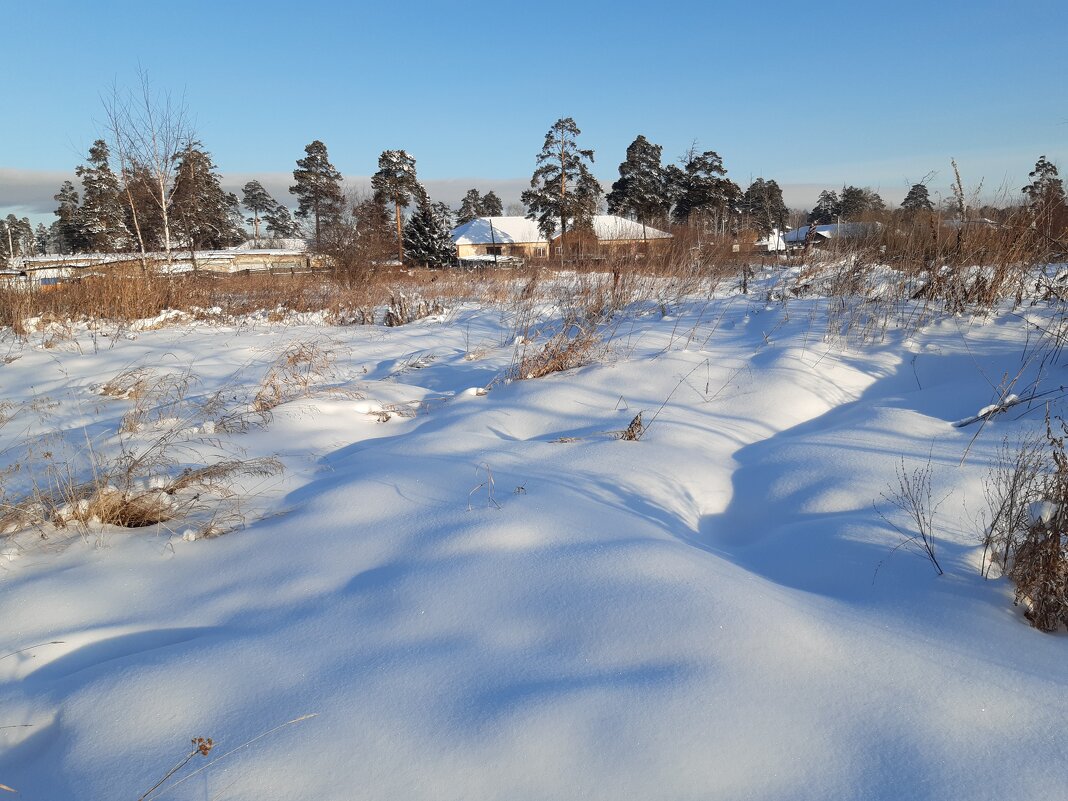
pixel 400 238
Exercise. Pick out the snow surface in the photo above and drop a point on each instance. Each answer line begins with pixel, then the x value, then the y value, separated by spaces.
pixel 489 596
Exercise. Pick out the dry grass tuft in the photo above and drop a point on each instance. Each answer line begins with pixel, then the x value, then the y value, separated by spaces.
pixel 292 375
pixel 577 344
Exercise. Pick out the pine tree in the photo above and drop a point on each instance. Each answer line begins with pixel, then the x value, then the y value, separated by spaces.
pixel 280 223
pixel 826 210
pixel 641 191
pixel 396 183
pixel 102 217
pixel 491 205
pixel 16 237
pixel 318 188
pixel 562 190
pixel 1046 199
pixel 763 205
pixel 917 200
pixel 259 201
pixel 426 237
pixel 70 239
pixel 204 214
pixel 700 191
pixel 470 207
pixel 855 202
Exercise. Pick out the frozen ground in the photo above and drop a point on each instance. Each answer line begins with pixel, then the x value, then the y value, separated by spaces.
pixel 496 598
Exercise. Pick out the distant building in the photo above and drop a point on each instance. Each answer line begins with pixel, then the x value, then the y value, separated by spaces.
pixel 825 235
pixel 520 237
pixel 57 269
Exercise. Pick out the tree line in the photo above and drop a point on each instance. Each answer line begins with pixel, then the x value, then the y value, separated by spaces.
pixel 151 186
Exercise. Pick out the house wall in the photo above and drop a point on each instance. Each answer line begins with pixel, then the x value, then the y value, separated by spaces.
pixel 525 250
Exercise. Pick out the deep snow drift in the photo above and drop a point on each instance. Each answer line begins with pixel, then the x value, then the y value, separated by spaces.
pixel 487 595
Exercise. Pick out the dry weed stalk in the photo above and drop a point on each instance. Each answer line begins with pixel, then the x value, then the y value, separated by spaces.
pixel 913 496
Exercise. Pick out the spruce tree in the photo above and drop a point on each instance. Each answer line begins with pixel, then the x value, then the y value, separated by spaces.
pixel 641 191
pixel 826 210
pixel 491 205
pixel 259 201
pixel 426 237
pixel 396 183
pixel 917 200
pixel 68 230
pixel 470 207
pixel 562 190
pixel 318 188
pixel 102 216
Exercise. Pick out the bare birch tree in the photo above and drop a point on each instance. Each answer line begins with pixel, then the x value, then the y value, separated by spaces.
pixel 148 130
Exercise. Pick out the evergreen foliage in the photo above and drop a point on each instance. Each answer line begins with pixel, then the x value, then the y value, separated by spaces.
pixel 16 238
pixel 491 205
pixel 855 202
pixel 280 223
pixel 102 216
pixel 259 201
pixel 69 237
pixel 470 207
pixel 318 188
pixel 562 190
pixel 42 239
pixel 475 205
pixel 700 191
pixel 427 240
pixel 396 183
pixel 826 210
pixel 205 216
pixel 641 191
pixel 763 206
pixel 917 200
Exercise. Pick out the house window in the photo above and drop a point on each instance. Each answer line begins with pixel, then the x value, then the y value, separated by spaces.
pixel 493 250
pixel 539 252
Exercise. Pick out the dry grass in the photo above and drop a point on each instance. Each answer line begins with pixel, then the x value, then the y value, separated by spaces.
pixel 576 344
pixel 292 375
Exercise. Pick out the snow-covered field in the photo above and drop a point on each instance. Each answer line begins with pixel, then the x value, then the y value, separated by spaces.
pixel 488 595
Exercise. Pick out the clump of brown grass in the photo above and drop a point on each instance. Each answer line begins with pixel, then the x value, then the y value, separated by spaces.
pixel 292 374
pixel 576 344
pixel 404 309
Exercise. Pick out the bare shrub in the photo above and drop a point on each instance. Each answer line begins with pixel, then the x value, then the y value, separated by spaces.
pixel 913 496
pixel 1012 485
pixel 1028 534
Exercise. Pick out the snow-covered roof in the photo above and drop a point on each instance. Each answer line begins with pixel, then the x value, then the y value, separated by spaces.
pixel 832 231
pixel 497 231
pixel 609 227
pixel 268 243
pixel 515 230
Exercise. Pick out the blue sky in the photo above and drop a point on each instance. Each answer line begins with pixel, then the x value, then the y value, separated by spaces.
pixel 814 95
